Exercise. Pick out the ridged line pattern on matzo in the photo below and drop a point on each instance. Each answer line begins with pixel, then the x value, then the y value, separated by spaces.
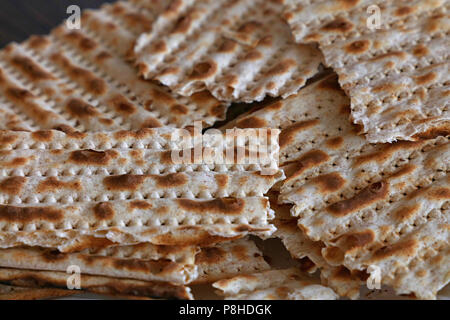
pixel 137 261
pixel 85 162
pixel 150 151
pixel 168 221
pixel 239 51
pixel 148 270
pixel 304 119
pixel 59 198
pixel 157 139
pixel 96 284
pixel 344 282
pixel 364 208
pixel 103 29
pixel 229 259
pixel 72 80
pixel 409 96
pixel 287 284
pixel 371 181
pixel 58 190
pixel 9 119
pixel 141 251
pixel 344 170
pixel 101 108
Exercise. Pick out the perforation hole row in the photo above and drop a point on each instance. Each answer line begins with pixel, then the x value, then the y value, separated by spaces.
pixel 76 224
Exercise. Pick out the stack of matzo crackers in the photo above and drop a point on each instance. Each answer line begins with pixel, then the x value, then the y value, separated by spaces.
pixel 104 170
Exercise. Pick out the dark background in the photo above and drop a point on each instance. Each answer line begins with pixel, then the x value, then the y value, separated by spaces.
pixel 21 18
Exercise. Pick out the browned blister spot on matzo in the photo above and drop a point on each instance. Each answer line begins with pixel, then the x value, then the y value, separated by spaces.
pixel 173 8
pixel 388 87
pixel 141 265
pixel 171 180
pixel 426 78
pixel 33 71
pixel 79 109
pixel 204 70
pixel 438 193
pixel 405 248
pixel 421 51
pixel 221 180
pixel 403 171
pixel 183 25
pixel 347 4
pixel 102 56
pixel 338 25
pixel 210 256
pixel 159 47
pixel 70 132
pixel 308 160
pixel 288 134
pixel 358 47
pixel 333 254
pixel 42 135
pixel 179 109
pixel 240 252
pixel 15 163
pixel 140 204
pixel 38 42
pixel 281 68
pixel 29 214
pixel 335 143
pixel 126 182
pixel 104 211
pixel 403 11
pixel 92 157
pixel 365 198
pixel 166 157
pixel 330 182
pixel 227 206
pixel 53 184
pixel 52 256
pixel 434 132
pixel 251 122
pixel 90 82
pixel 385 152
pixel 366 59
pixel 88 44
pixel 7 138
pixel 162 97
pixel 249 27
pixel 359 239
pixel 122 105
pixel 407 212
pixel 330 83
pixel 227 46
pixel 25 97
pixel 13 185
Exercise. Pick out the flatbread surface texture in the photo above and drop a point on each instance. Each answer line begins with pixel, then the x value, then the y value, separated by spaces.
pixel 238 50
pixel 367 205
pixel 66 198
pixel 79 79
pixel 396 74
pixel 288 284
